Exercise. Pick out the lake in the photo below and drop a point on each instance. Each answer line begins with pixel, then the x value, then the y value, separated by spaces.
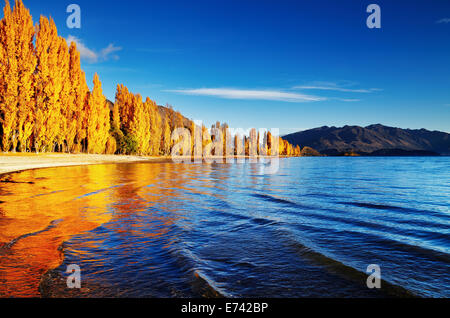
pixel 211 230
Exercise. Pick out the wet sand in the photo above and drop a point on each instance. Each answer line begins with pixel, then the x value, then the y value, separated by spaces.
pixel 19 162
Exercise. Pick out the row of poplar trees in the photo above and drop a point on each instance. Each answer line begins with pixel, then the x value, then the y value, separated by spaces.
pixel 46 105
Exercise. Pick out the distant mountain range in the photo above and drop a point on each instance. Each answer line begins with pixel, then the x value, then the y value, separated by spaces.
pixel 374 140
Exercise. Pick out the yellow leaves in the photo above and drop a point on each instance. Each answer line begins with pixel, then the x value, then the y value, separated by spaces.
pixel 98 124
pixel 9 69
pixel 140 124
pixel 16 71
pixel 48 85
pixel 76 120
pixel 125 107
pixel 64 92
pixel 138 120
pixel 156 128
pixel 111 145
pixel 45 103
pixel 166 141
pixel 297 151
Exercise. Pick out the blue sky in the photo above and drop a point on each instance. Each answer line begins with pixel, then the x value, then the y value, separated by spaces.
pixel 291 65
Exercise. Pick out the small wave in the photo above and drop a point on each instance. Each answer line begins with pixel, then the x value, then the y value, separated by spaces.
pixel 52 225
pixel 336 267
pixel 201 284
pixel 394 208
pixel 383 207
pixel 99 191
pixel 277 200
pixel 247 221
pixel 48 193
pixel 8 179
pixel 206 287
pixel 319 195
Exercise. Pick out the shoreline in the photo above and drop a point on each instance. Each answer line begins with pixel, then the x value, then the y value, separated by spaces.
pixel 19 162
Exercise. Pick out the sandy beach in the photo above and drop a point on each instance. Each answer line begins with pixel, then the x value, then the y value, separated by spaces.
pixel 19 162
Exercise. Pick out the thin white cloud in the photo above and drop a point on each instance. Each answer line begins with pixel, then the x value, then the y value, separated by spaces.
pixel 231 93
pixel 109 51
pixel 348 100
pixel 91 55
pixel 335 87
pixel 444 20
pixel 85 52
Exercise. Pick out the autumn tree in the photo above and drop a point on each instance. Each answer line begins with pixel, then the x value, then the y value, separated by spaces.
pixel 269 142
pixel 26 65
pixel 140 124
pixel 76 120
pixel 297 151
pixel 280 146
pixel 124 108
pixel 217 145
pixel 64 94
pixel 228 144
pixel 48 86
pixel 166 141
pixel 98 124
pixel 239 146
pixel 206 142
pixel 246 146
pixel 196 141
pixel 253 143
pixel 9 89
pixel 156 127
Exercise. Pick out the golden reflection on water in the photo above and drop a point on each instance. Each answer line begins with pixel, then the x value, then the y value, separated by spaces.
pixel 40 209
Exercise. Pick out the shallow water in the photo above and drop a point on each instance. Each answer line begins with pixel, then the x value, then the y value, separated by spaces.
pixel 187 230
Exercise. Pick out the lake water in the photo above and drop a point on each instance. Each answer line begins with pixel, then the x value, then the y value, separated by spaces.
pixel 192 230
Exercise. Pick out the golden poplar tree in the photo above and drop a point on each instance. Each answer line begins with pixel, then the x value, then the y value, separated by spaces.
pixel 156 128
pixel 297 151
pixel 140 124
pixel 124 106
pixel 98 123
pixel 281 146
pixel 65 97
pixel 253 143
pixel 246 146
pixel 48 86
pixel 166 140
pixel 239 146
pixel 10 79
pixel 76 115
pixel 26 65
pixel 264 148
pixel 206 142
pixel 270 140
pixel 2 81
pixel 258 145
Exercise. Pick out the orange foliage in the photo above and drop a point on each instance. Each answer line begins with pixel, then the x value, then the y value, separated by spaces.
pixel 46 105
